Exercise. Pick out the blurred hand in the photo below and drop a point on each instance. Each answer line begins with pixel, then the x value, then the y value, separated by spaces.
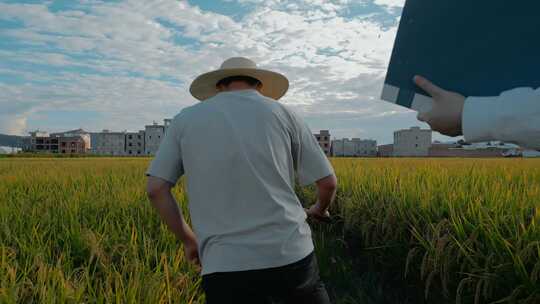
pixel 445 116
pixel 318 213
pixel 191 250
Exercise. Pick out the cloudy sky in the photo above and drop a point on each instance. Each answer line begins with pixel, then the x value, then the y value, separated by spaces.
pixel 122 64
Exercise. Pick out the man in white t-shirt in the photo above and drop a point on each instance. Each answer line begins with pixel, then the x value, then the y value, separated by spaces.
pixel 241 152
pixel 513 117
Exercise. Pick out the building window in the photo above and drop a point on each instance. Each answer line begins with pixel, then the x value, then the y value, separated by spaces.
pixel 158 136
pixel 129 144
pixel 130 137
pixel 150 136
pixel 138 137
pixel 416 145
pixel 129 151
pixel 139 144
pixel 138 152
pixel 72 151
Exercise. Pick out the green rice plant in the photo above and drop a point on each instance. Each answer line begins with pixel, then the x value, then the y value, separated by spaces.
pixel 76 230
pixel 81 230
pixel 468 228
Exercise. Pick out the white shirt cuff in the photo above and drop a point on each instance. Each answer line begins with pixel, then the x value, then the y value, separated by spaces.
pixel 478 119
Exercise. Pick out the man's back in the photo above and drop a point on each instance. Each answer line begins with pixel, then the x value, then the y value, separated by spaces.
pixel 239 151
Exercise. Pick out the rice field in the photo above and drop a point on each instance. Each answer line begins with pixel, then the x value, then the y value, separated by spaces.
pixel 81 230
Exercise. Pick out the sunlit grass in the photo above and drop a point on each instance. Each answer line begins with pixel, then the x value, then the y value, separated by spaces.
pixel 468 228
pixel 82 230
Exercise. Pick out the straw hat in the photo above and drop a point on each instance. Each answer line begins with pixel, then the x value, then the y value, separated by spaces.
pixel 274 85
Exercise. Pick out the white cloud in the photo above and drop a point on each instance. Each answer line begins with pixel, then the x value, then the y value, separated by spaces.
pixel 14 125
pixel 138 57
pixel 391 3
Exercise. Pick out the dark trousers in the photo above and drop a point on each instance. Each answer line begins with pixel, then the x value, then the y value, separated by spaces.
pixel 297 283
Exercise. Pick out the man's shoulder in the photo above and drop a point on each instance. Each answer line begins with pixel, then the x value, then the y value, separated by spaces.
pixel 287 112
pixel 189 111
pixel 184 115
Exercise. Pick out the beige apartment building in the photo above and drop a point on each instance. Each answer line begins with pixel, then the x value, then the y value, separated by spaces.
pixel 68 142
pixel 73 145
pixel 412 142
pixel 73 142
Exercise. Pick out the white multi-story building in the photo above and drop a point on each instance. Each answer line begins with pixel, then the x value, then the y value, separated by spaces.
pixel 153 134
pixel 412 142
pixel 144 142
pixel 366 147
pixel 166 123
pixel 135 143
pixel 323 137
pixel 108 143
pixel 354 147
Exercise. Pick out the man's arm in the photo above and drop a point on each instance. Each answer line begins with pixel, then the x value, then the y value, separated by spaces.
pixel 163 173
pixel 312 166
pixel 514 116
pixel 326 192
pixel 159 193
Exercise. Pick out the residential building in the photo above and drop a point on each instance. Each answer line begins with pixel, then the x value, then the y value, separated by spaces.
pixel 108 143
pixel 72 145
pixel 412 142
pixel 42 142
pixel 135 143
pixel 385 150
pixel 166 123
pixel 153 134
pixel 143 142
pixel 323 137
pixel 354 147
pixel 73 142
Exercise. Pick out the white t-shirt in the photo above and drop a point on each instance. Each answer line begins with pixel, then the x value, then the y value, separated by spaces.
pixel 240 151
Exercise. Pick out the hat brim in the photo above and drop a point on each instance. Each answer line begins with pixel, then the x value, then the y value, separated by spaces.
pixel 274 85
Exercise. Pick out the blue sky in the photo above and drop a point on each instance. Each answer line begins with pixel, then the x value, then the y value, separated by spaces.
pixel 122 64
